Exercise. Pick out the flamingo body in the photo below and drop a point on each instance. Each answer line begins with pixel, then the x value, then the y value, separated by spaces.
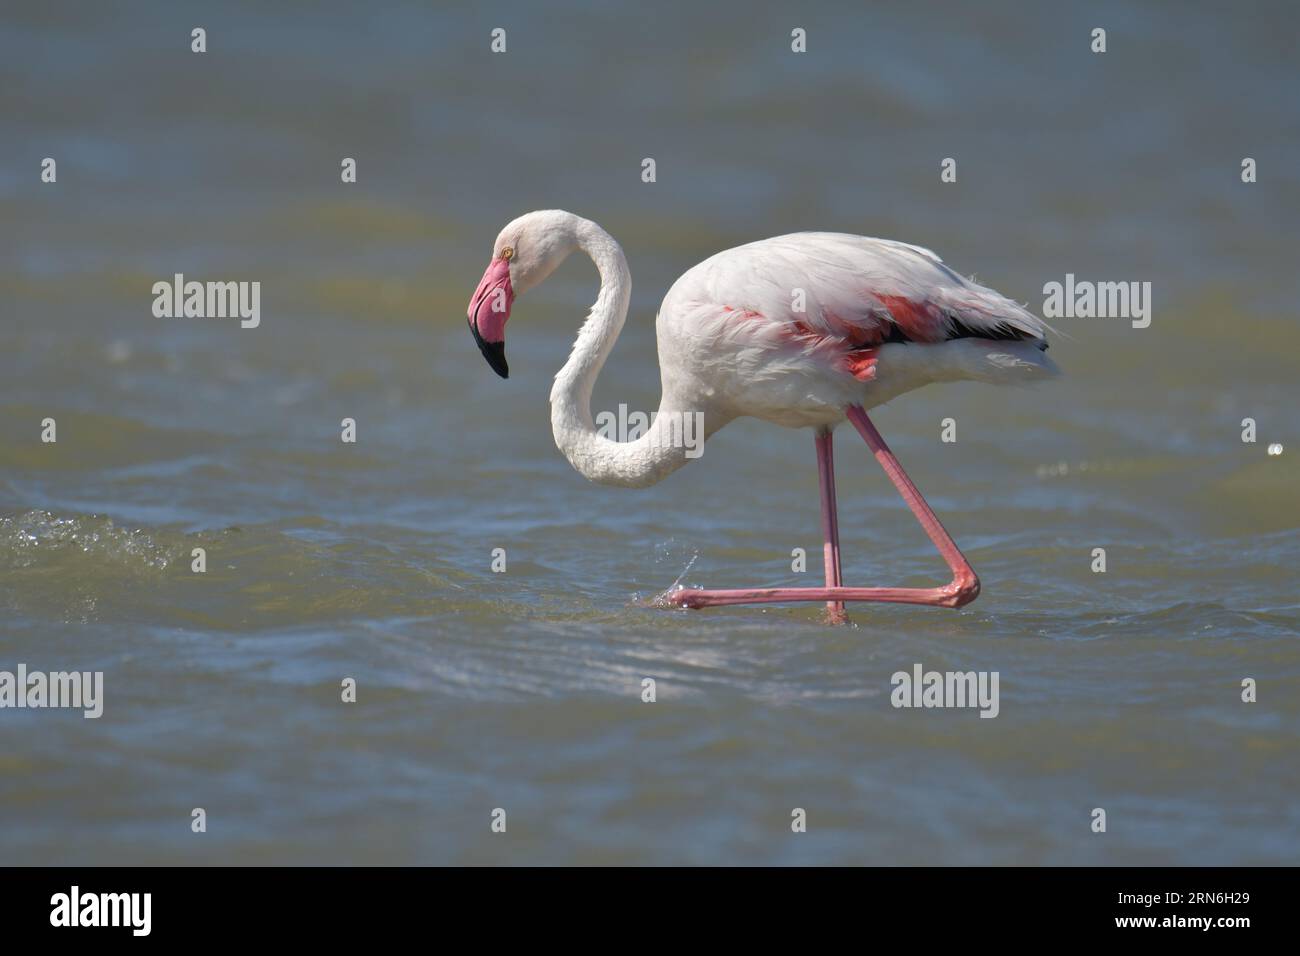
pixel 879 318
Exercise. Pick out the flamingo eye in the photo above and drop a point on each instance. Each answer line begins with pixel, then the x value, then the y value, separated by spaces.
pixel 507 254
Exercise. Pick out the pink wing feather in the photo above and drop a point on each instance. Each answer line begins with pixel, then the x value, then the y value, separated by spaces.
pixel 857 293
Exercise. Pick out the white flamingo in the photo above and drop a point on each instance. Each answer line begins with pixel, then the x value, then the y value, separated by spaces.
pixel 802 330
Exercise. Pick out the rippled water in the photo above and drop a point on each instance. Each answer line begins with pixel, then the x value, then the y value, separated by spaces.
pixel 521 690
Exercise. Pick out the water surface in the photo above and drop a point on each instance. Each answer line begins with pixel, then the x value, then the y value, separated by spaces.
pixel 522 690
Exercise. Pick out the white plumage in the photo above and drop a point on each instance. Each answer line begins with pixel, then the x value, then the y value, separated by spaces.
pixel 734 316
pixel 879 318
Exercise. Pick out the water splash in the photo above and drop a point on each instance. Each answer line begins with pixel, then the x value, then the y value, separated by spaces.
pixel 36 536
pixel 662 598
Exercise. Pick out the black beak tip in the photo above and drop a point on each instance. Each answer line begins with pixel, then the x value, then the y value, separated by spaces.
pixel 499 366
pixel 494 352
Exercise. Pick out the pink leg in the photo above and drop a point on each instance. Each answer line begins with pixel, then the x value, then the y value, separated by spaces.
pixel 830 523
pixel 962 589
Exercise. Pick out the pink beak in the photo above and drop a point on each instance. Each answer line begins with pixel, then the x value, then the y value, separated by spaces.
pixel 488 312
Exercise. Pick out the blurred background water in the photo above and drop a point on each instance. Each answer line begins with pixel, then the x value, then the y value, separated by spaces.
pixel 522 690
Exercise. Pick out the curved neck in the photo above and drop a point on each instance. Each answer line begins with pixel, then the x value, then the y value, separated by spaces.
pixel 671 440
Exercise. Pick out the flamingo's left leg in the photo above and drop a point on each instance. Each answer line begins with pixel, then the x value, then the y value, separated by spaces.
pixel 830 523
pixel 962 589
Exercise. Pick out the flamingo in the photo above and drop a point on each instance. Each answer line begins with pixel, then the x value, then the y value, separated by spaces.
pixel 803 331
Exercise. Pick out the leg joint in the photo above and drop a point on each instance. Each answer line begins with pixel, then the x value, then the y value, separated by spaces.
pixel 964 588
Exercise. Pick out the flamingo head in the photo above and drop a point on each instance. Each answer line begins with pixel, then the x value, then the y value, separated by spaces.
pixel 527 251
